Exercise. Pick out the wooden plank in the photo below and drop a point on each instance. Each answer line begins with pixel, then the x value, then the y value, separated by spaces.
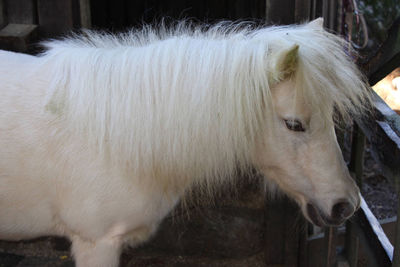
pixel 396 255
pixel 116 11
pixel 330 244
pixel 56 17
pixel 3 19
pixel 356 165
pixel 329 13
pixel 387 57
pixel 274 230
pixel 302 11
pixel 84 9
pixel 374 240
pixel 283 238
pixel 17 37
pixel 99 14
pixel 21 11
pixel 280 12
pixel 382 131
pixel 351 244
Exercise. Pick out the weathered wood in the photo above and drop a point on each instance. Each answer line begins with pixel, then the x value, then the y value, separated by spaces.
pixel 284 232
pixel 316 244
pixel 374 240
pixel 17 37
pixel 21 11
pixel 3 19
pixel 357 154
pixel 57 17
pixel 383 130
pixel 351 244
pixel 84 8
pixel 116 10
pixel 396 255
pixel 330 244
pixel 329 11
pixel 387 57
pixel 302 11
pixel 280 12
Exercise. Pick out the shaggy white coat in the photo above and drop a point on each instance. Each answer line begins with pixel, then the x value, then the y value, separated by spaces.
pixel 102 134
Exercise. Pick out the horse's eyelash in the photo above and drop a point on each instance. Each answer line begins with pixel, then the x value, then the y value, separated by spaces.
pixel 294 125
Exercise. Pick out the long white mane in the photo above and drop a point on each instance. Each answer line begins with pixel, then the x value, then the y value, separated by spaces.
pixel 185 104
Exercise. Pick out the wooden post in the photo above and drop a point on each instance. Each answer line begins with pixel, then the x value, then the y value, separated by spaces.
pixel 280 12
pixel 351 244
pixel 356 167
pixel 3 20
pixel 84 9
pixel 17 37
pixel 57 17
pixel 396 253
pixel 330 246
pixel 21 11
pixel 329 10
pixel 357 154
pixel 283 234
pixel 302 11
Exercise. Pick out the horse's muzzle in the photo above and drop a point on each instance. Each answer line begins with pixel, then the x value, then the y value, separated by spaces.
pixel 341 211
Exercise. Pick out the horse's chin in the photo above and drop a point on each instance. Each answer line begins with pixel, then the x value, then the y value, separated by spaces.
pixel 317 217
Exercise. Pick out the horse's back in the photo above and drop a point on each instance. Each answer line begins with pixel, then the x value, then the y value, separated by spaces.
pixel 16 71
pixel 11 62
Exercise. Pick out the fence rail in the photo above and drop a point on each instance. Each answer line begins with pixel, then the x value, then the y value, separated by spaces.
pixel 382 131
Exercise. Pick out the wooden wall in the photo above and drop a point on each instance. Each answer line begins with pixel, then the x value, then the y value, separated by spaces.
pixel 119 14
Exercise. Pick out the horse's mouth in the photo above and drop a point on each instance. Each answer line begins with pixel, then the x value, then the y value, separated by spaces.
pixel 318 217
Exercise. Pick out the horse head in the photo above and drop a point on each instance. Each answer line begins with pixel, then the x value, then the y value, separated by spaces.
pixel 298 150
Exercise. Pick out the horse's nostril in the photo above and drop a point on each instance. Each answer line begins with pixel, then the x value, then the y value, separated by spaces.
pixel 342 210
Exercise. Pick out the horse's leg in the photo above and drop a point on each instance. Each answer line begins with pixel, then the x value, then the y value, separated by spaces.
pixel 99 253
pixel 106 251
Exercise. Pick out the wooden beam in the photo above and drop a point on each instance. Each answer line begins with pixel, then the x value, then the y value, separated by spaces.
pixel 280 12
pixel 383 131
pixel 396 255
pixel 21 11
pixel 302 12
pixel 17 37
pixel 3 19
pixel 375 242
pixel 387 57
pixel 57 17
pixel 286 247
pixel 351 244
pixel 84 9
pixel 330 244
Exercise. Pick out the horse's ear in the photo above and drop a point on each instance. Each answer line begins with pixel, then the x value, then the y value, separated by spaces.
pixel 287 61
pixel 317 24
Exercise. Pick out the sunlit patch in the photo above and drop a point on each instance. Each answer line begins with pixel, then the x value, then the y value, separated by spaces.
pixel 389 90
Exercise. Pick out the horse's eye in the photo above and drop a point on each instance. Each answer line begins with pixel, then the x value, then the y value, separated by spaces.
pixel 294 125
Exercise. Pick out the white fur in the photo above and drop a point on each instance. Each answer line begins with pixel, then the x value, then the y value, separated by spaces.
pixel 101 135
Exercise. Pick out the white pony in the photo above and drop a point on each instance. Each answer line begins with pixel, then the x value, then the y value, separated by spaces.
pixel 102 135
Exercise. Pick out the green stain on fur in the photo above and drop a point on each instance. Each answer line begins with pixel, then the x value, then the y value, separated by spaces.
pixel 55 107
